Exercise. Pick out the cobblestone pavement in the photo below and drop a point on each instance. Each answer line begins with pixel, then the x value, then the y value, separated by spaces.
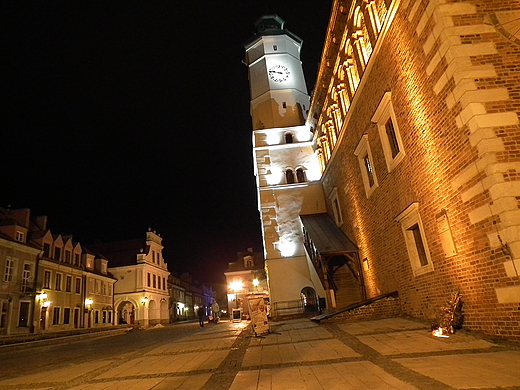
pixel 385 354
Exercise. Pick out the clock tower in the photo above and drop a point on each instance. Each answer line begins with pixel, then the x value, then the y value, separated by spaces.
pixel 286 167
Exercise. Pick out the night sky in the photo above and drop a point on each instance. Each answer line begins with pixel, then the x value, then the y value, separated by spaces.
pixel 122 116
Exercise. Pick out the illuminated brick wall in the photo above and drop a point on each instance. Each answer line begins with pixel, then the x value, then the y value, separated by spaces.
pixel 451 74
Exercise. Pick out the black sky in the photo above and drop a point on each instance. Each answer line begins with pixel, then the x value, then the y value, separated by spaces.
pixel 120 116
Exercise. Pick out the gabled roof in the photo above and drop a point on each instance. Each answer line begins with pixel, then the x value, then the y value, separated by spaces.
pixel 326 236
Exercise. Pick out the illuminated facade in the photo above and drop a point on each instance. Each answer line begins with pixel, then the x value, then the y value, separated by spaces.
pixel 415 121
pixel 141 294
pixel 286 168
pixel 49 282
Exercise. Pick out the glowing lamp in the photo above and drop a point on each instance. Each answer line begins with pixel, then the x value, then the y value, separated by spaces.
pixel 255 282
pixel 89 302
pixel 144 301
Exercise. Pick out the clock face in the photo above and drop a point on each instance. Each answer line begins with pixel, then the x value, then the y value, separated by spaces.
pixel 279 73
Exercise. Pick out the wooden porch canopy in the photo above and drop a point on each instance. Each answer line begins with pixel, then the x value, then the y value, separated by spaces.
pixel 330 249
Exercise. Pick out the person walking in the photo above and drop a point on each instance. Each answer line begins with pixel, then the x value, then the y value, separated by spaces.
pixel 215 309
pixel 200 313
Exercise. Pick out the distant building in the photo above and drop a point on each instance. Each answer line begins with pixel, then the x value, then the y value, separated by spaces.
pixel 141 294
pixel 18 262
pixel 245 278
pixel 49 282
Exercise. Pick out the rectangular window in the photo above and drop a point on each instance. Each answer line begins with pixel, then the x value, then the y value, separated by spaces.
pixel 26 276
pixel 57 287
pixel 23 319
pixel 9 269
pixel 91 286
pixel 68 256
pixel 336 208
pixel 56 316
pixel 392 138
pixel 391 141
pixel 46 250
pixel 104 319
pixel 47 279
pixel 3 313
pixel 57 253
pixel 19 236
pixel 164 283
pixel 109 317
pixel 153 256
pixel 159 282
pixel 66 315
pixel 154 281
pixel 76 258
pixel 149 279
pixel 68 284
pixel 368 173
pixel 419 245
pixel 415 240
pixel 78 285
pixel 96 317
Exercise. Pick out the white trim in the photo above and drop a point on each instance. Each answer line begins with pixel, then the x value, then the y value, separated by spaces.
pixel 363 150
pixel 408 218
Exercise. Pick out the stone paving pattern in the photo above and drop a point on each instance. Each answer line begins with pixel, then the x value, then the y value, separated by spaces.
pixel 387 354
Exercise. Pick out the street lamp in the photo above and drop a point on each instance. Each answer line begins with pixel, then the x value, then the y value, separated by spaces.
pixel 255 283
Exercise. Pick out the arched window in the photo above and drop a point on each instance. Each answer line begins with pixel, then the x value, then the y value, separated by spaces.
pixel 300 175
pixel 289 139
pixel 289 176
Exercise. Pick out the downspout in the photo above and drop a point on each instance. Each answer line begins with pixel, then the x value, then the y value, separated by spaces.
pixel 35 301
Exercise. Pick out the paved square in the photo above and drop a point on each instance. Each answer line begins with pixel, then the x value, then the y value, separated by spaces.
pixel 166 364
pixel 190 346
pixel 191 382
pixel 477 370
pixel 308 351
pixel 420 341
pixel 338 376
pixel 60 375
pixel 382 326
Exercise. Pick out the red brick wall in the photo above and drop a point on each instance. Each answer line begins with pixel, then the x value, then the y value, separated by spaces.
pixel 437 151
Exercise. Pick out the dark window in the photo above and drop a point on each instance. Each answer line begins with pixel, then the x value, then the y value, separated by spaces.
pixel 56 316
pixel 154 281
pixel 289 138
pixel 300 175
pixel 370 170
pixel 46 250
pixel 104 317
pixel 76 259
pixel 78 285
pixel 67 256
pixel 149 280
pixel 58 282
pixel 392 138
pixel 47 279
pixel 96 317
pixel 68 284
pixel 66 315
pixel 419 244
pixel 23 320
pixel 289 176
pixel 57 253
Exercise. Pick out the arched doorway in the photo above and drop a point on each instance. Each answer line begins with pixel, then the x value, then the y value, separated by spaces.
pixel 310 300
pixel 125 313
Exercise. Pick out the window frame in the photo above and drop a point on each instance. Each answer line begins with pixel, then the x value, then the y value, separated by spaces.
pixel 409 218
pixel 336 206
pixel 384 113
pixel 363 151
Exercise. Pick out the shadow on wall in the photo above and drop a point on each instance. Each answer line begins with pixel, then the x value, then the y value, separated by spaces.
pixel 270 114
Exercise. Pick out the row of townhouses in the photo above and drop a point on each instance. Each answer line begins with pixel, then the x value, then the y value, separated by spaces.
pixel 49 282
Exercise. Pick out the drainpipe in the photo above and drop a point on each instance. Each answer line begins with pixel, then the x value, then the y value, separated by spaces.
pixel 35 285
